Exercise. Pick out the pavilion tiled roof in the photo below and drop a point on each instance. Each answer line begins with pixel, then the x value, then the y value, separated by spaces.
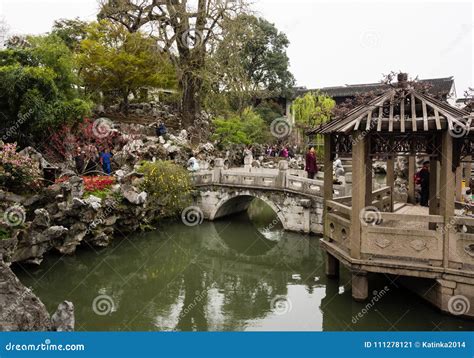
pixel 400 110
pixel 439 87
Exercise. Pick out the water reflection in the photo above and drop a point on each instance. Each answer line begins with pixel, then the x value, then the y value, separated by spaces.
pixel 221 276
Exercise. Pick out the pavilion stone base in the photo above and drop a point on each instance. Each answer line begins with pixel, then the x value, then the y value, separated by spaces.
pixel 451 294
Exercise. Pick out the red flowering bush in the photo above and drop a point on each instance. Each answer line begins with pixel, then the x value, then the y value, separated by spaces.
pixel 98 183
pixel 93 183
pixel 89 135
pixel 17 172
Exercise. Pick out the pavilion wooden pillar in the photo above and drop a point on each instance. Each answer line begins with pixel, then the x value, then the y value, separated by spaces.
pixel 446 192
pixel 411 181
pixel 368 180
pixel 332 263
pixel 361 182
pixel 390 178
pixel 459 179
pixel 328 180
pixel 468 170
pixel 433 199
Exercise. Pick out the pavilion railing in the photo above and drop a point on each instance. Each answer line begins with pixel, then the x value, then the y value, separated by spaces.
pixel 461 243
pixel 337 224
pixel 403 237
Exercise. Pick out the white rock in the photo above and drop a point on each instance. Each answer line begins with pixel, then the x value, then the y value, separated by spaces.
pixel 172 149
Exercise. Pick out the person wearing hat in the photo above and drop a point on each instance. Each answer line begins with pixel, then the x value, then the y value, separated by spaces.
pixel 424 179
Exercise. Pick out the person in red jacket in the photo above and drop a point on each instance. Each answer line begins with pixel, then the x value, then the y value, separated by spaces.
pixel 311 164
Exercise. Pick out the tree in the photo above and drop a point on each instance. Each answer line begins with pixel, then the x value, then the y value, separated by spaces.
pixel 248 128
pixel 113 60
pixel 312 109
pixel 269 111
pixel 251 61
pixel 71 31
pixel 38 90
pixel 261 49
pixel 185 28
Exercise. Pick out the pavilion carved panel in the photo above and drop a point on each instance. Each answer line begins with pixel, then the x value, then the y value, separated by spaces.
pixel 341 144
pixel 404 144
pixel 466 146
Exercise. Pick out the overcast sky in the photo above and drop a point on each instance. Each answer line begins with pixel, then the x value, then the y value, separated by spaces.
pixel 332 43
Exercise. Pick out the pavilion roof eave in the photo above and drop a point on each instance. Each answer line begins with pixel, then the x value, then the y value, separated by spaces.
pixel 362 117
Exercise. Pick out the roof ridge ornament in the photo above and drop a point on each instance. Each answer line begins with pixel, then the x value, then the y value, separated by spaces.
pixel 402 79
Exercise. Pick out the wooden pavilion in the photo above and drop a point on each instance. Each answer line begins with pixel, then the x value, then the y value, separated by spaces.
pixel 365 233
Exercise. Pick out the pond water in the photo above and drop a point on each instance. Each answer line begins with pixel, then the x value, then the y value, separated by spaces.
pixel 242 273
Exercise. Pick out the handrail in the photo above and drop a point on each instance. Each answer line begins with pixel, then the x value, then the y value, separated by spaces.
pixel 437 219
pixel 331 204
pixel 460 220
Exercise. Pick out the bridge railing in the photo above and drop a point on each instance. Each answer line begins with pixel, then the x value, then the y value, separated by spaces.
pixel 266 180
pixel 203 177
pixel 281 178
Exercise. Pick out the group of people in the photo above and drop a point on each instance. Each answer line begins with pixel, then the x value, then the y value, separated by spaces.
pixel 93 160
pixel 284 151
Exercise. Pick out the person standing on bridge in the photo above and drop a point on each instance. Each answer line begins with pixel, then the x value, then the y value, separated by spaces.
pixel 311 163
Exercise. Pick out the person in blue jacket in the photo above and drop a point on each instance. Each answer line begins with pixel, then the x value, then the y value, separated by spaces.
pixel 105 160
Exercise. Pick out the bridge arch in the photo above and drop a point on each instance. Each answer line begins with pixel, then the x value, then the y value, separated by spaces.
pixel 240 201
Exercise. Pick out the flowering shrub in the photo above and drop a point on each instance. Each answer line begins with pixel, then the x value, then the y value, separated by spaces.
pixel 64 142
pixel 168 185
pixel 17 172
pixel 98 183
pixel 93 183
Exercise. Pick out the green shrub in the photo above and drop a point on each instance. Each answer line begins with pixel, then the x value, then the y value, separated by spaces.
pixel 102 194
pixel 168 186
pixel 269 111
pixel 4 235
pixel 248 128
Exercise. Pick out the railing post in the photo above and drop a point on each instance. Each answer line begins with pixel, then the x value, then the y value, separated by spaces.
pixel 218 168
pixel 282 173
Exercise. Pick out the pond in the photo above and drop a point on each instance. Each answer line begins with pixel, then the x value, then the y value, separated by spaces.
pixel 242 273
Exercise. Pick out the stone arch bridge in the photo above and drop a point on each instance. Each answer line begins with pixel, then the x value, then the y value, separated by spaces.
pixel 296 200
